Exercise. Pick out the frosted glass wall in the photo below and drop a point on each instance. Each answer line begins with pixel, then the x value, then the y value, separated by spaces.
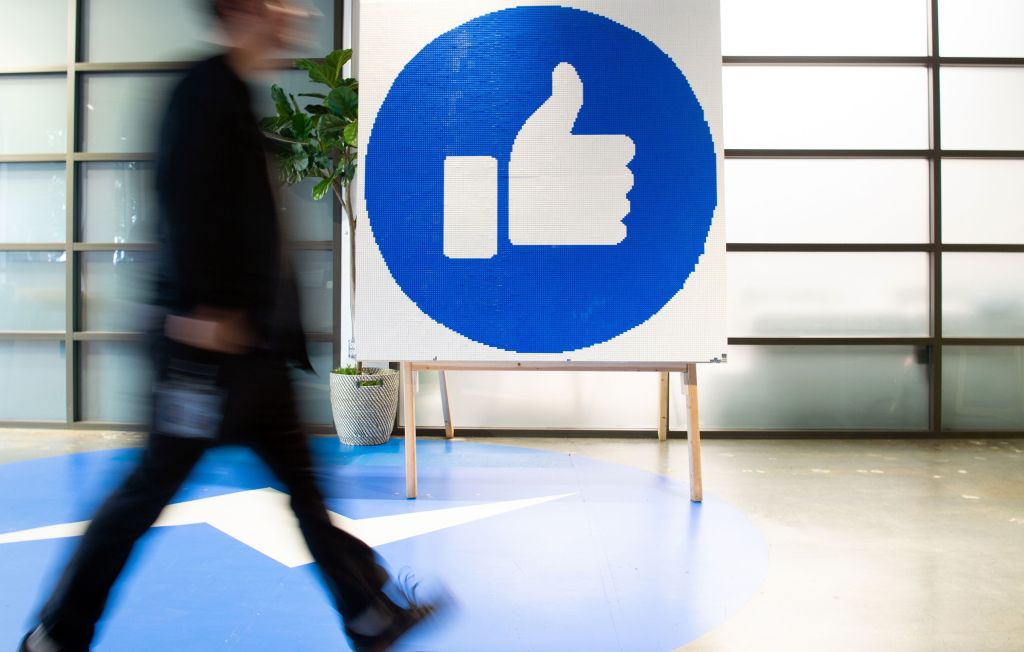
pixel 28 369
pixel 128 55
pixel 827 200
pixel 33 202
pixel 831 200
pixel 33 33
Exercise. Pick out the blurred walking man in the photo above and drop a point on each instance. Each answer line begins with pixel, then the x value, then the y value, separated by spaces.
pixel 230 332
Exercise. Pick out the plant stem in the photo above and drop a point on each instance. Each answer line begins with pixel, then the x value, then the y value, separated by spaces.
pixel 344 195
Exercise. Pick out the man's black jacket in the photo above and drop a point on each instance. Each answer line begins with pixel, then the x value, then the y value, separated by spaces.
pixel 220 241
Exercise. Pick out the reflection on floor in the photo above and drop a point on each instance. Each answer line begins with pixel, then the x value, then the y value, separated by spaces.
pixel 874 545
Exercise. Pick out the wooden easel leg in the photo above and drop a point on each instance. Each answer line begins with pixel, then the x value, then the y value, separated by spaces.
pixel 663 407
pixel 693 434
pixel 446 409
pixel 409 407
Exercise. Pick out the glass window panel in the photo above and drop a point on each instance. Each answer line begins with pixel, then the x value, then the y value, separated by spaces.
pixel 33 202
pixel 144 30
pixel 303 218
pixel 32 291
pixel 319 33
pixel 800 107
pixel 981 295
pixel 813 27
pixel 32 385
pixel 981 28
pixel 312 390
pixel 115 286
pixel 983 387
pixel 810 387
pixel 118 202
pixel 982 108
pixel 157 30
pixel 982 201
pixel 116 382
pixel 828 294
pixel 314 274
pixel 33 114
pixel 121 111
pixel 829 200
pixel 33 33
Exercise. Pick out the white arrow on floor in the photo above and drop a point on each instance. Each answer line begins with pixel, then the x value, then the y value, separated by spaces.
pixel 263 520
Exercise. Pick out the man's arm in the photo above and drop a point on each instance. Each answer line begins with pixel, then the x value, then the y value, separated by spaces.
pixel 193 171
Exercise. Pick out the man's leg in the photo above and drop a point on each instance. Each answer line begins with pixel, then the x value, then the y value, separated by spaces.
pixel 377 611
pixel 350 567
pixel 69 617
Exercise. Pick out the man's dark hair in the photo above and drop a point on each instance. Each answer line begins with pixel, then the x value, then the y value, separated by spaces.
pixel 220 7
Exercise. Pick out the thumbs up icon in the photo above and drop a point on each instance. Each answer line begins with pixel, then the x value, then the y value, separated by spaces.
pixel 564 189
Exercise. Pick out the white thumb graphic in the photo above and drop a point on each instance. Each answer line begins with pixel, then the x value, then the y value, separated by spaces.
pixel 566 189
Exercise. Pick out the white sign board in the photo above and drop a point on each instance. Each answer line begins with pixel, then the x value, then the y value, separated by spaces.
pixel 540 181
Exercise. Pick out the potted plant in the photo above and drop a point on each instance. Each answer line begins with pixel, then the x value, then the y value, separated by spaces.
pixel 319 141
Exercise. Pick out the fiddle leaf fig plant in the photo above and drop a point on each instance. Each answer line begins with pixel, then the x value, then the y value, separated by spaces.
pixel 317 136
pixel 319 139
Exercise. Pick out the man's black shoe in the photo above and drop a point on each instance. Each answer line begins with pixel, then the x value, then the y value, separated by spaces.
pixel 401 616
pixel 37 641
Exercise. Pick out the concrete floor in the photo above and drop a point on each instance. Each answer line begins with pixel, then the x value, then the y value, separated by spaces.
pixel 875 545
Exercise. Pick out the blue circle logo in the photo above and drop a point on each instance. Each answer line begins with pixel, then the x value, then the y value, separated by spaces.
pixel 543 550
pixel 541 179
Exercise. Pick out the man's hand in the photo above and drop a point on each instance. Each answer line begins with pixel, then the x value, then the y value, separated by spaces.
pixel 211 329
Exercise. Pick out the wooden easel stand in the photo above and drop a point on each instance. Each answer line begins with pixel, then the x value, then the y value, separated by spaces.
pixel 689 371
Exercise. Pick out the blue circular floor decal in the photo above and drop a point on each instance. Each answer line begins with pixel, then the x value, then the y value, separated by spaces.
pixel 545 551
pixel 471 93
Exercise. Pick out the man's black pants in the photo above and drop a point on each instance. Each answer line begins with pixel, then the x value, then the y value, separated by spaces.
pixel 259 411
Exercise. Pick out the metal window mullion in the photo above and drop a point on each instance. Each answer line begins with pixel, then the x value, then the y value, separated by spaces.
pixel 827 153
pixel 32 158
pixel 825 60
pixel 858 60
pixel 828 247
pixel 115 157
pixel 70 264
pixel 32 336
pixel 935 97
pixel 32 70
pixel 113 246
pixel 31 246
pixel 831 341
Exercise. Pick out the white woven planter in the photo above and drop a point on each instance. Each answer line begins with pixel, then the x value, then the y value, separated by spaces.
pixel 365 414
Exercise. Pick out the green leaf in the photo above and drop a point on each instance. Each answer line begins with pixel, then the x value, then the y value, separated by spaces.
pixel 317 109
pixel 331 126
pixel 319 96
pixel 272 124
pixel 321 189
pixel 280 101
pixel 344 102
pixel 317 72
pixel 334 62
pixel 301 125
pixel 351 135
